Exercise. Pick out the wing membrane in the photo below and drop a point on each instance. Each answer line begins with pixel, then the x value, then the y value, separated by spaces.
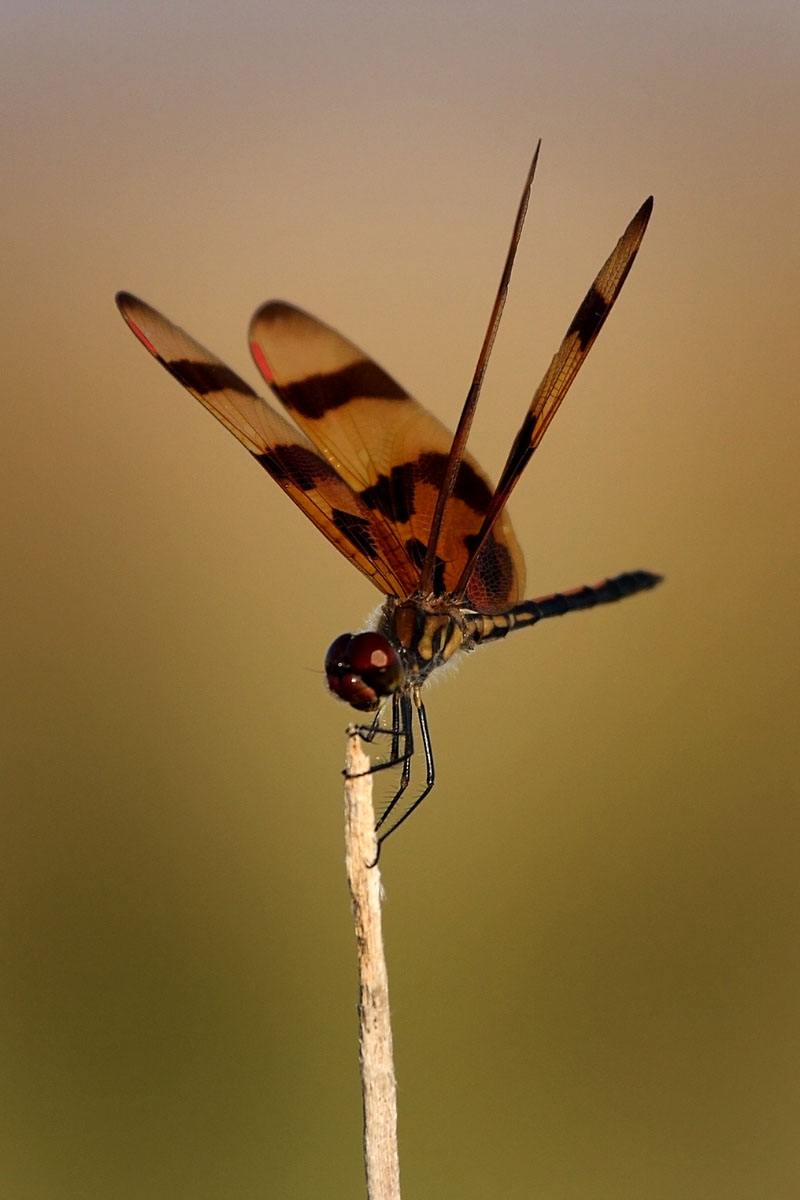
pixel 389 449
pixel 578 341
pixel 284 452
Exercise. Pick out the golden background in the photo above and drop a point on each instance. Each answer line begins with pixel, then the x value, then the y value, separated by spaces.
pixel 593 923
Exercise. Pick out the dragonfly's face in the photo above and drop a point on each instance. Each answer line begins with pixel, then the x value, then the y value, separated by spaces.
pixel 363 669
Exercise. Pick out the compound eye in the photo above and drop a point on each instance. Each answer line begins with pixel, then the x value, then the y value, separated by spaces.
pixel 375 660
pixel 337 658
pixel 363 669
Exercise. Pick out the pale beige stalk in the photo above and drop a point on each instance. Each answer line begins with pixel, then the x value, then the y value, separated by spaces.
pixel 375 1031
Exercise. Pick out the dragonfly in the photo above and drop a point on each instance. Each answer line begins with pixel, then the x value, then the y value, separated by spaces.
pixel 397 494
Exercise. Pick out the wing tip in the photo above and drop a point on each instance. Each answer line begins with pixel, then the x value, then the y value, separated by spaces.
pixel 124 301
pixel 645 212
pixel 275 310
pixel 135 312
pixel 131 306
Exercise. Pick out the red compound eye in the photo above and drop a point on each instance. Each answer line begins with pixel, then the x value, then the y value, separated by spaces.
pixel 371 652
pixel 363 669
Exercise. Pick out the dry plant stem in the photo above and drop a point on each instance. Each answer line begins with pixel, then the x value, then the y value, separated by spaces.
pixel 375 1031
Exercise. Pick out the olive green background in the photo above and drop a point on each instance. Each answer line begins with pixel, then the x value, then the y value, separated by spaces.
pixel 592 924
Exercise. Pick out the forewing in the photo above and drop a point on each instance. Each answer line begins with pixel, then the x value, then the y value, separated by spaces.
pixel 389 449
pixel 281 449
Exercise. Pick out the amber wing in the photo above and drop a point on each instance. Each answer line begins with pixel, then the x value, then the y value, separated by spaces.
pixel 577 342
pixel 284 452
pixel 390 450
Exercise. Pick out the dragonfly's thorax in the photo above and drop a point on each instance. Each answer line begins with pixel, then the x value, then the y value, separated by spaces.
pixel 426 633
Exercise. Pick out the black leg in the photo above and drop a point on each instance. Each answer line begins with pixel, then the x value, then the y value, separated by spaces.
pixel 396 721
pixel 406 732
pixel 367 732
pixel 399 730
pixel 430 775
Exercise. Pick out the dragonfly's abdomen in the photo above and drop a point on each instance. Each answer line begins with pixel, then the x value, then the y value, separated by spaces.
pixel 486 628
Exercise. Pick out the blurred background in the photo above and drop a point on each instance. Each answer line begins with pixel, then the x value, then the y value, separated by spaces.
pixel 592 924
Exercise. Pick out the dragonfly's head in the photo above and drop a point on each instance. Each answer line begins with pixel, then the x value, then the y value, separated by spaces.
pixel 363 669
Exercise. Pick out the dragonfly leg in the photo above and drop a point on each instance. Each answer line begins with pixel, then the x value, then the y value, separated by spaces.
pixel 430 774
pixel 399 731
pixel 405 733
